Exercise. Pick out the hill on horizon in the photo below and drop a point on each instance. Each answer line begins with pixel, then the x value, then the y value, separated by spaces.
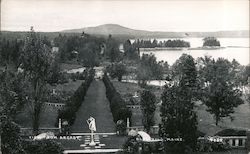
pixel 118 30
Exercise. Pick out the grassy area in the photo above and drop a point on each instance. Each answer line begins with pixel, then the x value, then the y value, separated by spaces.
pixel 49 113
pixel 127 89
pixel 68 66
pixel 67 87
pixel 206 122
pixel 48 117
pixel 97 106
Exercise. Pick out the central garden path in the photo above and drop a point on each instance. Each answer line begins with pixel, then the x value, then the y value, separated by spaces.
pixel 97 106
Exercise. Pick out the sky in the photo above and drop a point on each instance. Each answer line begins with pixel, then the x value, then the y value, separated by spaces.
pixel 159 15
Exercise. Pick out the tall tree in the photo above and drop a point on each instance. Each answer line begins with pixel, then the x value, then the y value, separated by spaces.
pixel 179 119
pixel 148 107
pixel 149 69
pixel 130 50
pixel 112 49
pixel 11 140
pixel 221 94
pixel 36 61
pixel 11 101
pixel 117 70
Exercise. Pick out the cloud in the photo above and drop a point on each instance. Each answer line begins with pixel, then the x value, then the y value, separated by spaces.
pixel 55 15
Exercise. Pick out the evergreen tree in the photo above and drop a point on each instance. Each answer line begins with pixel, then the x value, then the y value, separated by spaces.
pixel 35 60
pixel 148 107
pixel 112 49
pixel 179 119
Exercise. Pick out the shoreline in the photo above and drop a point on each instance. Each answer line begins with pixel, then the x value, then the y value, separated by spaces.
pixel 178 48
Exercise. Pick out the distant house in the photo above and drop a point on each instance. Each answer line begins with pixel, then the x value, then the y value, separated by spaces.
pixel 55 50
pixel 99 72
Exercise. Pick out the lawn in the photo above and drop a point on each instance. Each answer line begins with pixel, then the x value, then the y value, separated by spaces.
pixel 71 86
pixel 127 89
pixel 206 123
pixel 68 66
pixel 49 113
pixel 96 105
pixel 48 117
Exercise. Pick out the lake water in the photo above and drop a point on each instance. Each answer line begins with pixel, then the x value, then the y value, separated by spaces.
pixel 235 48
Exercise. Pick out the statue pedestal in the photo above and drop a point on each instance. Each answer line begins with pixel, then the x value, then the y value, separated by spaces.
pixel 92 142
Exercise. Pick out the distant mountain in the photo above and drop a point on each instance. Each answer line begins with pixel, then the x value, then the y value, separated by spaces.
pixel 118 30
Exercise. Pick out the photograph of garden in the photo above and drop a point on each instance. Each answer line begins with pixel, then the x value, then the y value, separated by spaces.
pixel 125 77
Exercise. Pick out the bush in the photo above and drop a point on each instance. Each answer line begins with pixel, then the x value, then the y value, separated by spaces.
pixel 11 140
pixel 63 78
pixel 42 147
pixel 78 76
pixel 117 104
pixel 74 102
pixel 231 132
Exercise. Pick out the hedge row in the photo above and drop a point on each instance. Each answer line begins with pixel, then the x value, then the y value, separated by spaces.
pixel 74 102
pixel 117 104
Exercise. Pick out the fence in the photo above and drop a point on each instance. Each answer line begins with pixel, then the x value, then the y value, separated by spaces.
pixel 57 105
pixel 133 106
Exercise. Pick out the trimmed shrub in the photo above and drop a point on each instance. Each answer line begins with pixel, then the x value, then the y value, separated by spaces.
pixel 117 104
pixel 231 132
pixel 11 140
pixel 75 101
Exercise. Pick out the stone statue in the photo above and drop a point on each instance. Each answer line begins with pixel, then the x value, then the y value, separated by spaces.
pixel 92 128
pixel 91 123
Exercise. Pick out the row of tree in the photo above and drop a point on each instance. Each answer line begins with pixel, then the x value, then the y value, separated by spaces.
pixel 117 104
pixel 152 44
pixel 68 113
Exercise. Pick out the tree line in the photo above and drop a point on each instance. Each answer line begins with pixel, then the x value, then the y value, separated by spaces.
pixel 153 44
